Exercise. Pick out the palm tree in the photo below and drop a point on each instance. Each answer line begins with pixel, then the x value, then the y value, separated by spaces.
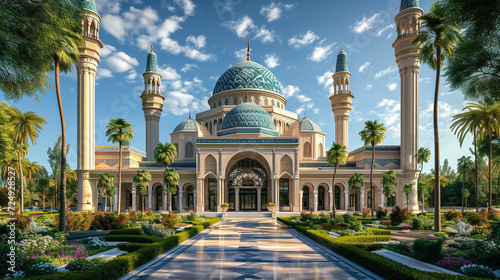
pixel 466 194
pixel 32 172
pixel 106 185
pixel 355 183
pixel 407 189
pixel 336 155
pixel 423 156
pixel 121 132
pixel 26 127
pixel 437 39
pixel 464 166
pixel 165 154
pixel 43 186
pixel 388 183
pixel 373 134
pixel 141 180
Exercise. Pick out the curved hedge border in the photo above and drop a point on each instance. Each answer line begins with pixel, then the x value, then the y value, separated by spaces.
pixel 124 264
pixel 384 267
pixel 127 231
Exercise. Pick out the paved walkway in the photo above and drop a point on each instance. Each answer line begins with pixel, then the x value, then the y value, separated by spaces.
pixel 256 248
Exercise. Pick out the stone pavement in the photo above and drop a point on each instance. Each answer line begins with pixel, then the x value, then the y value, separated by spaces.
pixel 250 248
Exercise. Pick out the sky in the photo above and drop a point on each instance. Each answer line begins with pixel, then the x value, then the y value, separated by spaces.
pixel 197 41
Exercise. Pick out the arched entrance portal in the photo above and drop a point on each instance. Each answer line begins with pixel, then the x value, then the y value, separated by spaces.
pixel 247 186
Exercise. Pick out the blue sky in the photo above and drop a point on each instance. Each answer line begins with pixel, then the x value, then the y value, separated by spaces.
pixel 297 40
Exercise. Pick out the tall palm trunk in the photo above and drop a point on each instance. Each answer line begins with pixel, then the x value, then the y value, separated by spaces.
pixel 333 187
pixel 490 178
pixel 475 172
pixel 43 199
pixel 62 209
pixel 21 206
pixel 437 188
pixel 418 184
pixel 371 178
pixel 119 177
pixel 463 189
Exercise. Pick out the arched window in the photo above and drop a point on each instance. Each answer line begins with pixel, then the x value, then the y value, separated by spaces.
pixel 320 150
pixel 283 192
pixel 159 197
pixel 321 198
pixel 210 129
pixel 220 102
pixel 189 150
pixel 235 101
pixel 176 148
pixel 337 197
pixel 307 149
pixel 226 101
pixel 305 198
pixel 190 198
pixel 215 105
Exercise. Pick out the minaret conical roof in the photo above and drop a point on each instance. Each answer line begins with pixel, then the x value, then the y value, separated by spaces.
pixel 89 5
pixel 152 63
pixel 406 4
pixel 341 62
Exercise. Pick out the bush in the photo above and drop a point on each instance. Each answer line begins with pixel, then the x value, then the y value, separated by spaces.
pixel 398 215
pixel 381 213
pixel 305 216
pixel 452 215
pixel 416 223
pixel 377 231
pixel 193 217
pixel 84 264
pixel 475 270
pixel 132 238
pixel 493 215
pixel 77 221
pixel 130 247
pixel 133 214
pixel 109 221
pixel 453 263
pixel 428 250
pixel 154 230
pixel 168 220
pixel 357 226
pixel 40 269
pixel 22 221
pixel 127 231
pixel 337 221
pixel 366 212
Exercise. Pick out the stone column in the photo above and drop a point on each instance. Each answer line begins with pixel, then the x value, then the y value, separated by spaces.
pixel 194 200
pixel 237 198
pixel 301 197
pixel 382 197
pixel 164 201
pixel 199 195
pixel 315 203
pixel 180 201
pixel 115 202
pixel 259 201
pixel 150 199
pixel 362 199
pixel 134 197
pixel 346 199
pixel 277 192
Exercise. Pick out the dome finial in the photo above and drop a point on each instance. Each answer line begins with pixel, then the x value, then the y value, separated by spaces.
pixel 151 47
pixel 305 115
pixel 189 113
pixel 248 48
pixel 341 48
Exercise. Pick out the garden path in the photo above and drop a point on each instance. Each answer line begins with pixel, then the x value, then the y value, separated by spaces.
pixel 250 248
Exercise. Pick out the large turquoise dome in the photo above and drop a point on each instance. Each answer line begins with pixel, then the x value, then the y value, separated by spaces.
pixel 187 125
pixel 248 75
pixel 247 118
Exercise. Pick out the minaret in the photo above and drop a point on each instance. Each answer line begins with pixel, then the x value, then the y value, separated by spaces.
pixel 341 99
pixel 407 58
pixel 152 104
pixel 86 71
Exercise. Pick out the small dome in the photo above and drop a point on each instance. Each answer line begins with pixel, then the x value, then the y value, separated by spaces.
pixel 248 75
pixel 406 4
pixel 306 124
pixel 89 5
pixel 341 62
pixel 152 64
pixel 247 118
pixel 187 125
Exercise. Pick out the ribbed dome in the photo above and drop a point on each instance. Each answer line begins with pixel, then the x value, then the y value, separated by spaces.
pixel 341 62
pixel 306 124
pixel 89 5
pixel 247 115
pixel 247 75
pixel 406 4
pixel 152 64
pixel 187 125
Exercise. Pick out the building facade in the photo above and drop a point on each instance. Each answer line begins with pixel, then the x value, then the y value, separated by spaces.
pixel 248 149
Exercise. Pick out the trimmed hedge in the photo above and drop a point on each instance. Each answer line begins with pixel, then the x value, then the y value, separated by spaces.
pixel 379 231
pixel 389 269
pixel 130 247
pixel 127 231
pixel 123 264
pixel 133 238
pixel 359 238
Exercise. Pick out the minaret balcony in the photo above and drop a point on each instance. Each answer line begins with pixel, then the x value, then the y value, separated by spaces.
pixel 152 92
pixel 93 36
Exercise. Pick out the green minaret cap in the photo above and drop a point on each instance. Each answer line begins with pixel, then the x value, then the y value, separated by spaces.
pixel 341 62
pixel 89 5
pixel 406 4
pixel 152 65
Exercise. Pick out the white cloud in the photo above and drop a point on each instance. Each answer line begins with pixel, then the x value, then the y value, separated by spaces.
pixel 169 73
pixel 199 42
pixel 425 80
pixel 271 12
pixel 321 52
pixel 381 31
pixel 365 23
pixel 389 113
pixel 103 73
pixel 272 60
pixel 241 54
pixel 386 71
pixel 301 40
pixel 307 106
pixel 131 75
pixel 302 98
pixel 120 62
pixel 290 91
pixel 265 35
pixel 188 66
pixel 187 6
pixel 115 26
pixel 364 66
pixel 368 86
pixel 108 6
pixel 389 36
pixel 326 81
pixel 392 86
pixel 242 27
pixel 107 50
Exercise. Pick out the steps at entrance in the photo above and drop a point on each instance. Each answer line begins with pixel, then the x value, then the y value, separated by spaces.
pixel 249 215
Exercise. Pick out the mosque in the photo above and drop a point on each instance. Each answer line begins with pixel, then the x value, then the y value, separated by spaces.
pixel 248 150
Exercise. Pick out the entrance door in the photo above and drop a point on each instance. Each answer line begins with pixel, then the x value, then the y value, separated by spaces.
pixel 248 199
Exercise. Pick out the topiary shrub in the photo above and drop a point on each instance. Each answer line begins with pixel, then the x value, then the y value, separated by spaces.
pixel 357 226
pixel 428 250
pixel 398 215
pixel 381 213
pixel 84 264
pixel 337 221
